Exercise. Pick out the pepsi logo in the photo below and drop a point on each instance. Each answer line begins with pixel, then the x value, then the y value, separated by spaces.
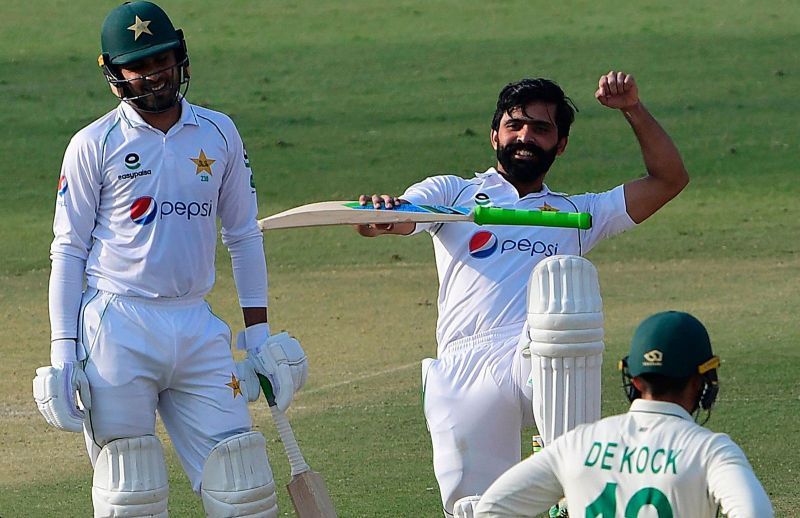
pixel 143 210
pixel 482 244
pixel 62 185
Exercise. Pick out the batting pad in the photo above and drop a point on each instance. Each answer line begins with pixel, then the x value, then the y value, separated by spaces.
pixel 130 479
pixel 565 332
pixel 237 479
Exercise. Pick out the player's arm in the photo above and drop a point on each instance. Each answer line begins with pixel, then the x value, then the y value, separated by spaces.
pixel 77 203
pixel 55 386
pixel 666 173
pixel 238 210
pixel 389 202
pixel 732 483
pixel 434 190
pixel 278 357
pixel 529 488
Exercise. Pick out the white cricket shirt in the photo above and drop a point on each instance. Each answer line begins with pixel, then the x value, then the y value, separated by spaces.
pixel 484 270
pixel 139 208
pixel 653 461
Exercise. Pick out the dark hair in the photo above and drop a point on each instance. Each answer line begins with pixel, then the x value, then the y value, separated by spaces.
pixel 659 385
pixel 524 91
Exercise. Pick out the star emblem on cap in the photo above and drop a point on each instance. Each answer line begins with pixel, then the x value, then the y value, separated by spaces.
pixel 139 28
pixel 203 163
pixel 234 385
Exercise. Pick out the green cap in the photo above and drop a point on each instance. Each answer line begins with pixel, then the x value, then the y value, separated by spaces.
pixel 673 344
pixel 135 31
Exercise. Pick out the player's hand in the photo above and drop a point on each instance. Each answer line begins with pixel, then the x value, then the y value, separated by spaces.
pixel 378 201
pixel 54 390
pixel 617 90
pixel 278 357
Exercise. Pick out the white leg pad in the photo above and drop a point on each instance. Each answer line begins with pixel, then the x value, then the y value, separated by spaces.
pixel 565 332
pixel 130 479
pixel 237 479
pixel 465 507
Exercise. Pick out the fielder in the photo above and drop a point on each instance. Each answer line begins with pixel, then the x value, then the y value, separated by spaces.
pixel 139 195
pixel 654 460
pixel 497 316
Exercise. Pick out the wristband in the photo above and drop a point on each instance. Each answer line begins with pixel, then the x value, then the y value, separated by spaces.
pixel 253 337
pixel 63 350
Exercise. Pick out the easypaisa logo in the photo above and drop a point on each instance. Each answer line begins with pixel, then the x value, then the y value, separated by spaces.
pixel 483 244
pixel 482 199
pixel 145 209
pixel 132 163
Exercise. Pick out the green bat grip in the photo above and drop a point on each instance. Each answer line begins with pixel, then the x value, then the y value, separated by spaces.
pixel 266 386
pixel 543 218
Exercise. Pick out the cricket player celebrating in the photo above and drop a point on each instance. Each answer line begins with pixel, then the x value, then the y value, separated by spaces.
pixel 139 196
pixel 501 361
pixel 654 460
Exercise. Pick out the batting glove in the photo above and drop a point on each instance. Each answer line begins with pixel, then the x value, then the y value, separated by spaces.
pixel 248 380
pixel 279 357
pixel 54 390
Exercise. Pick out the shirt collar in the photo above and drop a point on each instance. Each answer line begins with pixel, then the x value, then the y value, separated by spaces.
pixel 493 177
pixel 648 406
pixel 134 119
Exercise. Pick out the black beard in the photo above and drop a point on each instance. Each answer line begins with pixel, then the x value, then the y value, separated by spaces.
pixel 153 102
pixel 526 171
pixel 145 99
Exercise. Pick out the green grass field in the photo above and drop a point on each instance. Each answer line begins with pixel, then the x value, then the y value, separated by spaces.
pixel 335 99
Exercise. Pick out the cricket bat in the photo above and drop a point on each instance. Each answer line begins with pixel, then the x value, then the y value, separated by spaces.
pixel 352 213
pixel 307 490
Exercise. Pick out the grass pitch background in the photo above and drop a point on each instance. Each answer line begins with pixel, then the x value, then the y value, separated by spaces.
pixel 339 98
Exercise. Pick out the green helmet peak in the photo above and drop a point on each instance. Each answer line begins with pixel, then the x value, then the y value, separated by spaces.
pixel 673 344
pixel 137 30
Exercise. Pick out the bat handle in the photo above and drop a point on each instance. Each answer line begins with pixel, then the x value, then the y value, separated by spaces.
pixel 500 216
pixel 296 460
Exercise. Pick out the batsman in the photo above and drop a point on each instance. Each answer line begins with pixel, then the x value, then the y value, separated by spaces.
pixel 140 193
pixel 520 324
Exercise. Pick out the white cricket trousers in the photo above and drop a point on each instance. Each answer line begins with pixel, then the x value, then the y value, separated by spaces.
pixel 475 406
pixel 143 355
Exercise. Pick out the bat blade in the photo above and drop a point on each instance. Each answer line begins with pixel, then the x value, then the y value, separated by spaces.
pixel 310 496
pixel 351 213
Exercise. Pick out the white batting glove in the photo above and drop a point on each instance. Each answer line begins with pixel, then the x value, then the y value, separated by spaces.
pixel 279 357
pixel 248 380
pixel 54 389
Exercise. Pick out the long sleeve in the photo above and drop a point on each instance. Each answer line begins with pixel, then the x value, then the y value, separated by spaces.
pixel 529 488
pixel 732 482
pixel 238 211
pixel 76 206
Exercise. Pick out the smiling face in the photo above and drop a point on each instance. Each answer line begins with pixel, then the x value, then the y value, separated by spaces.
pixel 153 82
pixel 527 143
